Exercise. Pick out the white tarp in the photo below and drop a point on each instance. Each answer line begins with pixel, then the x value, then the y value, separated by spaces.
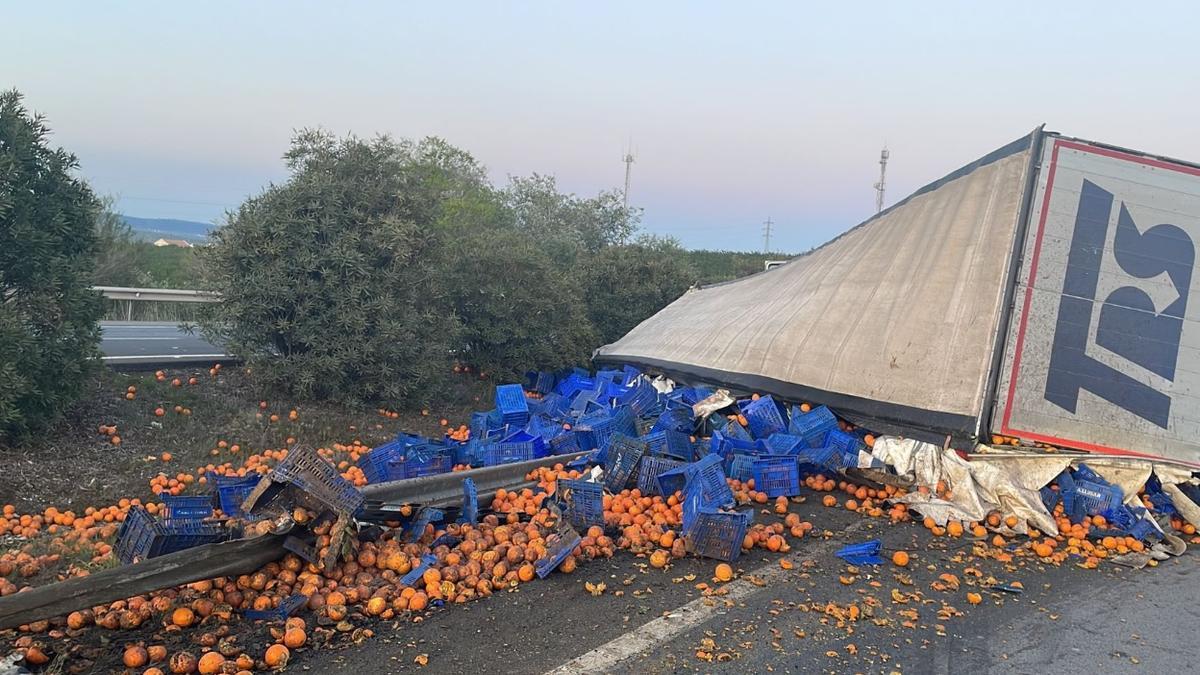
pixel 894 320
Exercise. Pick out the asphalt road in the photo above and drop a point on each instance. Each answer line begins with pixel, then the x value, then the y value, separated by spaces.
pixel 1067 620
pixel 151 344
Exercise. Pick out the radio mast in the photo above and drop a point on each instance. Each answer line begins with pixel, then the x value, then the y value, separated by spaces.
pixel 881 185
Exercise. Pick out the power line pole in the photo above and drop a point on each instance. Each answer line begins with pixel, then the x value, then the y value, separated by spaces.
pixel 767 235
pixel 628 159
pixel 881 186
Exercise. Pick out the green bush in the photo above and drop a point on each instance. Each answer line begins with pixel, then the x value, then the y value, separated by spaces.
pixel 520 310
pixel 328 279
pixel 626 284
pixel 48 314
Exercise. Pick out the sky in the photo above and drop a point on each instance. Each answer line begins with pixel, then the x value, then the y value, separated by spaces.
pixel 736 112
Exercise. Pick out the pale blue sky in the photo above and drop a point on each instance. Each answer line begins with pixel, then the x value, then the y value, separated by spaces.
pixel 737 111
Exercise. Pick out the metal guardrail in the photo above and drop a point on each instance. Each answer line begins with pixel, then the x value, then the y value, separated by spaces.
pixel 156 294
pixel 771 264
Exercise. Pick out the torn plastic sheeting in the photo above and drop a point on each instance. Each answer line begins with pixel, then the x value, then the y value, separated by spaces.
pixel 1172 477
pixel 718 400
pixel 975 489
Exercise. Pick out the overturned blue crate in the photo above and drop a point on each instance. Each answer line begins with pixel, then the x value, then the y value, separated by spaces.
pixel 564 443
pixel 725 446
pixel 674 420
pixel 504 452
pixel 523 436
pixel 416 465
pixel 231 491
pixel 621 459
pixel 648 471
pixel 764 417
pixel 731 429
pixel 512 404
pixel 583 502
pixel 375 464
pixel 541 381
pixel 573 384
pixel 846 443
pixel 784 444
pixel 741 467
pixel 813 426
pixel 671 444
pixel 470 504
pixel 718 534
pixel 1093 498
pixel 560 544
pixel 142 536
pixel 777 475
pixel 186 507
pixel 311 474
pixel 706 474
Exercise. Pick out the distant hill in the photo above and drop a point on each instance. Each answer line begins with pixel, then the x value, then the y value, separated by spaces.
pixel 169 228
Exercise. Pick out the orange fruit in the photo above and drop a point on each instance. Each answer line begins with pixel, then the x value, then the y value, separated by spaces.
pixel 900 558
pixel 723 572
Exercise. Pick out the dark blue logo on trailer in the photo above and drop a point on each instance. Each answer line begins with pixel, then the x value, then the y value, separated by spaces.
pixel 1129 326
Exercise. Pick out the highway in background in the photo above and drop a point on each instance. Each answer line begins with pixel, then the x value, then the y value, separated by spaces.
pixel 132 344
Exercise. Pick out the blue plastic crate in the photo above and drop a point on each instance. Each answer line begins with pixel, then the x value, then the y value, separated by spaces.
pixel 374 464
pixel 417 465
pixel 813 426
pixel 522 436
pixel 561 544
pixel 470 505
pixel 674 420
pixel 573 384
pixel 828 458
pixel 642 399
pixel 733 430
pixel 583 502
pixel 230 492
pixel 708 477
pixel 425 516
pixel 716 534
pixel 649 469
pixel 512 404
pixel 507 453
pixel 741 467
pixel 847 444
pixel 764 417
pixel 671 444
pixel 866 553
pixel 414 575
pixel 564 443
pixel 621 459
pixel 287 607
pixel 1094 498
pixel 186 507
pixel 784 444
pixel 541 381
pixel 726 446
pixel 142 537
pixel 309 472
pixel 778 476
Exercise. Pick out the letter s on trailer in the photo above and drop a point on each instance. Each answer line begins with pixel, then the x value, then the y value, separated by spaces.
pixel 1103 346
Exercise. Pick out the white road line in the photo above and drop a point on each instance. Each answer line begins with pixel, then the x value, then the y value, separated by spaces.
pixel 608 656
pixel 113 339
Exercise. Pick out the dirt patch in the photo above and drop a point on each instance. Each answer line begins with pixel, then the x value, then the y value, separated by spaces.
pixel 74 465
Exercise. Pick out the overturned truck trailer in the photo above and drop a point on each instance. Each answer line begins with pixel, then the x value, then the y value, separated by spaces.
pixel 1040 292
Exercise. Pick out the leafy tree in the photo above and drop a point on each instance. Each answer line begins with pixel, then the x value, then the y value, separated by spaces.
pixel 626 284
pixel 117 251
pixel 328 279
pixel 567 226
pixel 48 314
pixel 519 308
